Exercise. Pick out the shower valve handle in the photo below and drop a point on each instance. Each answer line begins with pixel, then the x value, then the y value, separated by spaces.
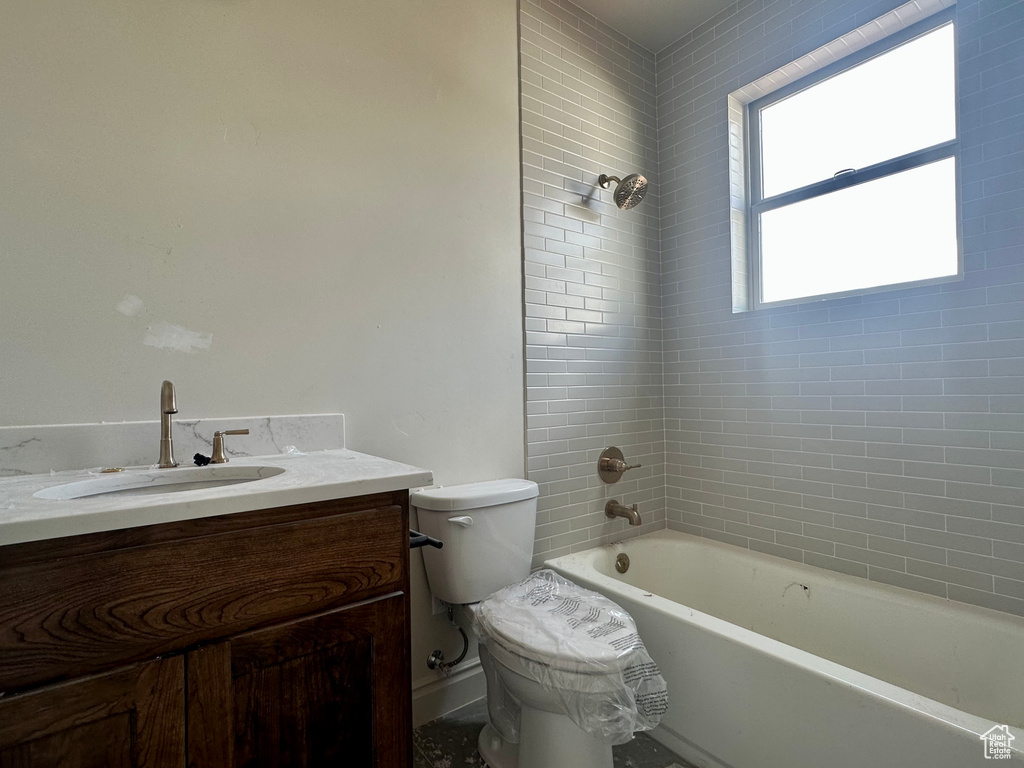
pixel 612 464
pixel 617 465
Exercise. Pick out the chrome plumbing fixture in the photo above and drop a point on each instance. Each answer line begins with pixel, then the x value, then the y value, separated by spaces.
pixel 611 464
pixel 436 659
pixel 167 407
pixel 630 190
pixel 218 444
pixel 622 562
pixel 614 509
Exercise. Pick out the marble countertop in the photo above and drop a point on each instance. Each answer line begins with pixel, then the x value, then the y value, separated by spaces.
pixel 307 477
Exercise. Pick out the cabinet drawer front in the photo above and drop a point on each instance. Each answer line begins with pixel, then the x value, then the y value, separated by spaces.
pixel 76 615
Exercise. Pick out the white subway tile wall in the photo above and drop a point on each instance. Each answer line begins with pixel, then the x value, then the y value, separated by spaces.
pixel 592 276
pixel 881 436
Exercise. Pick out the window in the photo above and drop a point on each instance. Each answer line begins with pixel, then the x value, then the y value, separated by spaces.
pixel 851 173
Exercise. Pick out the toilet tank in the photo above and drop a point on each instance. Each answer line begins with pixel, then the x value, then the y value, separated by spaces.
pixel 487 529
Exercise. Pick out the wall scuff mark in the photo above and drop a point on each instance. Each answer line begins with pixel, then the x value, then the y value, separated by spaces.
pixel 130 306
pixel 176 338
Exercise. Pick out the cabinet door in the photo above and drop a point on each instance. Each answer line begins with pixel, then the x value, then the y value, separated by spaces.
pixel 327 690
pixel 131 717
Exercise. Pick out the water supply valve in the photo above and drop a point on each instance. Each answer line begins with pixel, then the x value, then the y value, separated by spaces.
pixel 436 659
pixel 612 464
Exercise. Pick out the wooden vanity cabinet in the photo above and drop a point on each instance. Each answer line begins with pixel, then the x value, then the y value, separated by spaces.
pixel 267 638
pixel 134 716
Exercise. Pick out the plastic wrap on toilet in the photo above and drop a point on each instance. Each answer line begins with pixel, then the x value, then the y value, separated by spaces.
pixel 581 647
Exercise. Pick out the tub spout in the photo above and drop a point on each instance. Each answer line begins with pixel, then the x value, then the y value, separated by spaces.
pixel 614 509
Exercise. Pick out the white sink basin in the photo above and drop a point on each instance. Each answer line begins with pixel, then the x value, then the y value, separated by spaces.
pixel 153 481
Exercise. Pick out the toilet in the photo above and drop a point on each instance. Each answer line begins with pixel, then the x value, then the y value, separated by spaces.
pixel 567 675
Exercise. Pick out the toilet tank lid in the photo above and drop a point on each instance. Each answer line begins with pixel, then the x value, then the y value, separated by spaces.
pixel 490 493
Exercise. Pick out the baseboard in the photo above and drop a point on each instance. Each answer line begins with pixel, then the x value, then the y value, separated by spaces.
pixel 686 749
pixel 433 697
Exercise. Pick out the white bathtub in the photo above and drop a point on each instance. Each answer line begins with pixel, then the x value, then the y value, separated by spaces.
pixel 772 664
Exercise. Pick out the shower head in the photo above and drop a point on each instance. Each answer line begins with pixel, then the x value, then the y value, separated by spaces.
pixel 630 190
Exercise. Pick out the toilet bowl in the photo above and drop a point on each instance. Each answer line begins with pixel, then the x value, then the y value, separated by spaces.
pixel 548 736
pixel 567 674
pixel 545 736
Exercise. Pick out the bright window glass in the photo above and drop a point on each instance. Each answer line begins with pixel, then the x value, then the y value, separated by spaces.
pixel 896 229
pixel 898 102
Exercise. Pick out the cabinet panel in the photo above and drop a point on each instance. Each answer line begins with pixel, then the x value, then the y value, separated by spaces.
pixel 256 685
pixel 130 718
pixel 325 690
pixel 71 616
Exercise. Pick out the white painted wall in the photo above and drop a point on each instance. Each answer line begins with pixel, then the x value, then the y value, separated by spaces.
pixel 330 191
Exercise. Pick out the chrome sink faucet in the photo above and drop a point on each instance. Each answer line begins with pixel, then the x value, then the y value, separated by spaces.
pixel 167 407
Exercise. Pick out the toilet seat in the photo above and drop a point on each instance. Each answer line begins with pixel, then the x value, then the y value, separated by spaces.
pixel 581 681
pixel 525 662
pixel 556 652
pixel 569 629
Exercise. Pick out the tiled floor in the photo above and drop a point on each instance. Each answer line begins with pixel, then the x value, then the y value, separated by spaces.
pixel 450 742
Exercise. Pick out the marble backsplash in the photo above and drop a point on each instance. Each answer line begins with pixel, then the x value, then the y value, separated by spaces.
pixel 38 449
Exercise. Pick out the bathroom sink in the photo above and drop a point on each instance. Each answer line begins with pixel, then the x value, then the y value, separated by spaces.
pixel 150 482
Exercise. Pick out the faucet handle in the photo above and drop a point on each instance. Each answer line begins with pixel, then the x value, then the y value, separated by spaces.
pixel 612 464
pixel 218 444
pixel 618 465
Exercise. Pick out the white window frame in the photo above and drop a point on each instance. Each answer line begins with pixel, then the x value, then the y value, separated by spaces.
pixel 878 37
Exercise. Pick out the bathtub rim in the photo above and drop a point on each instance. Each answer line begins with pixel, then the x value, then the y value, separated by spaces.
pixel 948 716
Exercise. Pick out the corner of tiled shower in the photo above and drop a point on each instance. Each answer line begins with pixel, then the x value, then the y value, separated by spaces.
pixel 592 277
pixel 877 435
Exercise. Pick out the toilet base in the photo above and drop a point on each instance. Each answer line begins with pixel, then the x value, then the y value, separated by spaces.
pixel 495 751
pixel 546 740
